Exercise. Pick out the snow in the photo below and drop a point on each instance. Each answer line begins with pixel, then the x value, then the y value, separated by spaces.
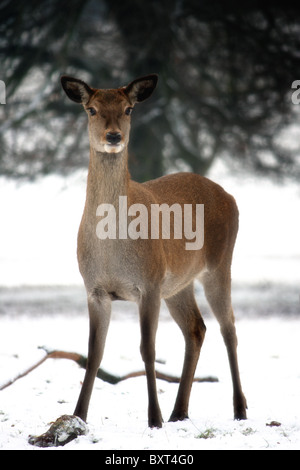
pixel 268 352
pixel 42 302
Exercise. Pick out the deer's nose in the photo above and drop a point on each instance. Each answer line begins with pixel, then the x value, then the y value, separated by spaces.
pixel 113 138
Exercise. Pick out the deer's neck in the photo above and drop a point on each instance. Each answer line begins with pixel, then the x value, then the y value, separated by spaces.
pixel 108 178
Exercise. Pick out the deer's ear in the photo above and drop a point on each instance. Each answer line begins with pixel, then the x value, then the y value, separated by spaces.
pixel 141 88
pixel 76 89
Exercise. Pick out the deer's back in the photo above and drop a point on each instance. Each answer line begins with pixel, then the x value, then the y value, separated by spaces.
pixel 220 213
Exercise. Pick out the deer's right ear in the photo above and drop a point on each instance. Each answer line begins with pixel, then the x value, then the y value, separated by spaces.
pixel 76 89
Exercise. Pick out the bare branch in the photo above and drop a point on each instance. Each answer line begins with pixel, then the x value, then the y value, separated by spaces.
pixel 101 374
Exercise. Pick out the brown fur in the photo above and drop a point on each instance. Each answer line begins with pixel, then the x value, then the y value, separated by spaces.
pixel 148 270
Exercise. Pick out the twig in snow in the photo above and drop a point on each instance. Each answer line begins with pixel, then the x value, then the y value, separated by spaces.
pixel 101 374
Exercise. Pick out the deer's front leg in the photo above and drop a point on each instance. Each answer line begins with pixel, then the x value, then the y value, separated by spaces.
pixel 99 312
pixel 68 427
pixel 149 312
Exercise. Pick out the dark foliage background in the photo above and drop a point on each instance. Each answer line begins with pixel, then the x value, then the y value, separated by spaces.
pixel 225 69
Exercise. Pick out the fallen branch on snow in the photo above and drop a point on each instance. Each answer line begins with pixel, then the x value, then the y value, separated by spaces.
pixel 101 374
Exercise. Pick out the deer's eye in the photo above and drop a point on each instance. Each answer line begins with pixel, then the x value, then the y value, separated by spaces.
pixel 128 111
pixel 92 111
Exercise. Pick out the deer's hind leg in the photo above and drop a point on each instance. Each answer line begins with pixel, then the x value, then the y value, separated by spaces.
pixel 185 312
pixel 217 287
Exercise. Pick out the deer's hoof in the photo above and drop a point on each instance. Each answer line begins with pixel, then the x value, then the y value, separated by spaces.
pixel 63 430
pixel 240 409
pixel 178 417
pixel 155 422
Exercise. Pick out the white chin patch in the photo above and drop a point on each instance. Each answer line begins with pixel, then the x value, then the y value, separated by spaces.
pixel 113 148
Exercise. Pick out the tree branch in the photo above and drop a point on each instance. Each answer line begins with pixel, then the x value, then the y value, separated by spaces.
pixel 101 374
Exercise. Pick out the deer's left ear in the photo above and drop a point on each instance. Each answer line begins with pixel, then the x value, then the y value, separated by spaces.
pixel 141 88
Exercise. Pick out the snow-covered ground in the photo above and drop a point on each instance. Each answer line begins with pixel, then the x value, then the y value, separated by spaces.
pixel 269 350
pixel 38 252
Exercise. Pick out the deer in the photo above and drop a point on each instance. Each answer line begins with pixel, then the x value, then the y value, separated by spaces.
pixel 148 270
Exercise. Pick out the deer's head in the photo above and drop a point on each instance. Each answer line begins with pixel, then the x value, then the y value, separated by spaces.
pixel 109 110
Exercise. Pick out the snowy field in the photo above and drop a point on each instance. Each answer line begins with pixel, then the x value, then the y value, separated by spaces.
pixel 269 351
pixel 37 253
